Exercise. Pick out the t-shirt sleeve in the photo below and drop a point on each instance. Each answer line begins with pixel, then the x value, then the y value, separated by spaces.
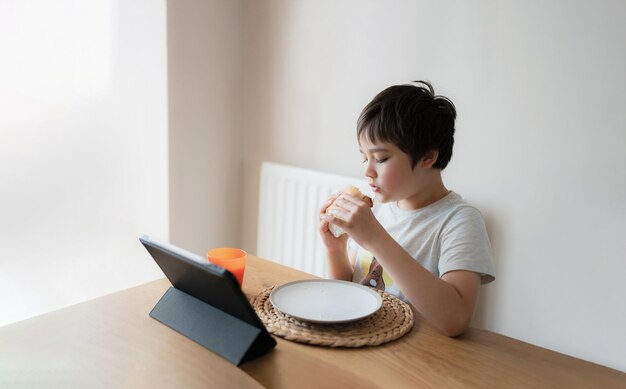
pixel 465 245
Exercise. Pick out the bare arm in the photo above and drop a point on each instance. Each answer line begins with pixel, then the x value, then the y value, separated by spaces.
pixel 339 266
pixel 447 302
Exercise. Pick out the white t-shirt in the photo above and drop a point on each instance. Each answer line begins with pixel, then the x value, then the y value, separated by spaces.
pixel 447 235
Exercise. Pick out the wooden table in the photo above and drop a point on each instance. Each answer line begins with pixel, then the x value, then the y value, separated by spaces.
pixel 111 342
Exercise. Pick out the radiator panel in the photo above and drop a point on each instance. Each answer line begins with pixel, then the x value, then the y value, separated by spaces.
pixel 289 202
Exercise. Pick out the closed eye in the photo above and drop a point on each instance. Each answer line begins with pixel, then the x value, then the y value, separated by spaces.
pixel 382 160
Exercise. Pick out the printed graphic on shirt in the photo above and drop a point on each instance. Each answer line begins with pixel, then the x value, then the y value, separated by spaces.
pixel 375 275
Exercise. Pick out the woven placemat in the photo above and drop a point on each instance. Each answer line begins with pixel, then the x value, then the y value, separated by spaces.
pixel 390 322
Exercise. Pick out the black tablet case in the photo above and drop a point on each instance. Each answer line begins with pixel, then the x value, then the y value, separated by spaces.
pixel 206 304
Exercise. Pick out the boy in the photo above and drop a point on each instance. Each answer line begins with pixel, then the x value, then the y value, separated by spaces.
pixel 421 241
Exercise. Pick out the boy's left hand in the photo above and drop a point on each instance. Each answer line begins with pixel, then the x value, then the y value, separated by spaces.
pixel 356 218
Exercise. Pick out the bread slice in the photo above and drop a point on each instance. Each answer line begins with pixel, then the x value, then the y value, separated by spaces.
pixel 353 191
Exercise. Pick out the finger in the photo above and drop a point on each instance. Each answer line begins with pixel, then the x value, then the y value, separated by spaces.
pixel 346 204
pixel 325 206
pixel 323 226
pixel 354 200
pixel 339 213
pixel 334 219
pixel 329 202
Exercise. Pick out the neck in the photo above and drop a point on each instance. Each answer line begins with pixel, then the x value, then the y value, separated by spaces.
pixel 430 192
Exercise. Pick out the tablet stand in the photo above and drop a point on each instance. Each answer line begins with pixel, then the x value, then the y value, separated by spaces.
pixel 226 335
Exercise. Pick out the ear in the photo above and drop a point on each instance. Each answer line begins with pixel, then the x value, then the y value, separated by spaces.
pixel 429 159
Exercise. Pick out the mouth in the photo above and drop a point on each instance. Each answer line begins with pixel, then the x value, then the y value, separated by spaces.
pixel 375 189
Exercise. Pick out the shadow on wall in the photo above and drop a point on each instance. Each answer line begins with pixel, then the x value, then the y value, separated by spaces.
pixel 485 310
pixel 264 30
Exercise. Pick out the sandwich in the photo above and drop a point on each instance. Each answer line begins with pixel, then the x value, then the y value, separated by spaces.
pixel 353 191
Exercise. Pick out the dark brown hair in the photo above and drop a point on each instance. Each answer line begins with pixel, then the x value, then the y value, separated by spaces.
pixel 414 119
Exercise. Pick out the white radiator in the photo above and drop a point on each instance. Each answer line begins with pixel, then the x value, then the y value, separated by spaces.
pixel 289 202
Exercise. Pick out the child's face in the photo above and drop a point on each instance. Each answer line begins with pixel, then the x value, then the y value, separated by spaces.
pixel 389 172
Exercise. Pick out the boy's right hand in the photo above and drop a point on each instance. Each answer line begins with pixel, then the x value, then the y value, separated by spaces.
pixel 332 244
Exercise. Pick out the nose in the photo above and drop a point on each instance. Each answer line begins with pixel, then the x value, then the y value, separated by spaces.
pixel 370 172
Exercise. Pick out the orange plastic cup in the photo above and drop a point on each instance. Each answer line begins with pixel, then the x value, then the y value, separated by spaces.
pixel 233 260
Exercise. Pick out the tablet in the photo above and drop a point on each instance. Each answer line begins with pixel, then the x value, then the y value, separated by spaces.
pixel 195 276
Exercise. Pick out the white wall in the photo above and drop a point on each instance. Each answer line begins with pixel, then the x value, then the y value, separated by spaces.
pixel 83 149
pixel 541 143
pixel 204 132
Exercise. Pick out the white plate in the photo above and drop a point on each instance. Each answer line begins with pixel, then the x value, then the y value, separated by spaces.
pixel 325 301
